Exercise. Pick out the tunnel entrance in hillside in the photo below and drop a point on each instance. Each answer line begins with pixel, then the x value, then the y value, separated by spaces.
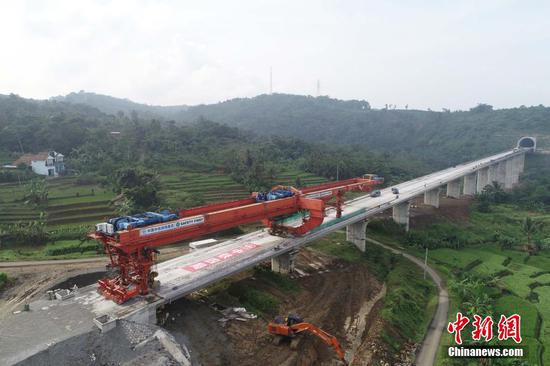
pixel 527 143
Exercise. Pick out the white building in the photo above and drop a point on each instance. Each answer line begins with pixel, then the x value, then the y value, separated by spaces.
pixel 45 163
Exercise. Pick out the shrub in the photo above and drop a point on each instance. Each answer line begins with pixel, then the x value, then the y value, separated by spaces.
pixel 3 280
pixel 72 249
pixel 253 299
pixel 70 232
pixel 28 233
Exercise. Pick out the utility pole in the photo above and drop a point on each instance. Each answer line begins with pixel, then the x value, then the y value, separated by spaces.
pixel 425 262
pixel 338 169
pixel 318 87
pixel 270 80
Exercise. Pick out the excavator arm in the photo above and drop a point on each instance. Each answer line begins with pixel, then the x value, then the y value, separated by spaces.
pixel 293 325
pixel 324 336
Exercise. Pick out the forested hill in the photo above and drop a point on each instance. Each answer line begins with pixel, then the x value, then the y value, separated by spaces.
pixel 438 138
pixel 100 144
pixel 441 138
pixel 114 106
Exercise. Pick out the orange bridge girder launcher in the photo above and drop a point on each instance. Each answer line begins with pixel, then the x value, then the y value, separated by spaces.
pixel 132 241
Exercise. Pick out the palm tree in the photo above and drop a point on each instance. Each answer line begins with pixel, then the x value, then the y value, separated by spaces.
pixel 37 192
pixel 478 305
pixel 494 192
pixel 529 228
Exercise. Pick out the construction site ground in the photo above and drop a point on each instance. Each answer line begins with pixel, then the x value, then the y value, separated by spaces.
pixel 343 298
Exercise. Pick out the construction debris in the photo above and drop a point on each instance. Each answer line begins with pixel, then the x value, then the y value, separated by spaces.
pixel 239 314
pixel 62 294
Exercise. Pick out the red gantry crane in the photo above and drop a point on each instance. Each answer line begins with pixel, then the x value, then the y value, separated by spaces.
pixel 131 241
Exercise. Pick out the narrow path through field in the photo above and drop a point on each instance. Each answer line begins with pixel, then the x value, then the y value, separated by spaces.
pixel 430 345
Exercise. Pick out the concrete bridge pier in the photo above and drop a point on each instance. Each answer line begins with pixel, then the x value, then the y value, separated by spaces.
pixel 501 173
pixel 453 189
pixel 493 174
pixel 482 179
pixel 516 170
pixel 470 184
pixel 401 214
pixel 521 163
pixel 357 234
pixel 431 197
pixel 512 175
pixel 284 263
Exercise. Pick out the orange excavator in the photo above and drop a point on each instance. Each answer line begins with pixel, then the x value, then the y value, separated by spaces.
pixel 293 325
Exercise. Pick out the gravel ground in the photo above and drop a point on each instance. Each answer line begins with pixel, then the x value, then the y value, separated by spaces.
pixel 117 347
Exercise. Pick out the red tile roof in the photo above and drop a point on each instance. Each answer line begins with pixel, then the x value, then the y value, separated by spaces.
pixel 28 158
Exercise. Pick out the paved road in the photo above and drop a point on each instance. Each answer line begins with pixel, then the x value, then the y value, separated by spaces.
pixel 430 345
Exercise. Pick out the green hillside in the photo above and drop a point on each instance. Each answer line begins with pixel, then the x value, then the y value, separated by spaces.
pixel 437 137
pixel 440 138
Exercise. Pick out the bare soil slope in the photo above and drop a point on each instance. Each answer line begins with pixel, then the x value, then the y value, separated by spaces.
pixel 341 298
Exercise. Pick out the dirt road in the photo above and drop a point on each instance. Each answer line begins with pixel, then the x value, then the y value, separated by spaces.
pixel 428 351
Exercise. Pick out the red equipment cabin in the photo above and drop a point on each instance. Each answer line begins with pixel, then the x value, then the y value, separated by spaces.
pixel 132 251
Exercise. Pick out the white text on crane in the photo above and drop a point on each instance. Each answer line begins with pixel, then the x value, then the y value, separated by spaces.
pixel 172 225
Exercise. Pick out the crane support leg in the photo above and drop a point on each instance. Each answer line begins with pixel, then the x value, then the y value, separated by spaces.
pixel 133 274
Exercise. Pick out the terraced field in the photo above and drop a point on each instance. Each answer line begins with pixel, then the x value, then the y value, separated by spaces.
pixel 205 186
pixel 68 203
pixel 74 208
pixel 288 177
pixel 525 284
pixel 211 187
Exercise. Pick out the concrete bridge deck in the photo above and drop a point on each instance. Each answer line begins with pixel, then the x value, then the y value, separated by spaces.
pixel 26 333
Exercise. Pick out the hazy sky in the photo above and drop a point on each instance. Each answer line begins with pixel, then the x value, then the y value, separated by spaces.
pixel 427 54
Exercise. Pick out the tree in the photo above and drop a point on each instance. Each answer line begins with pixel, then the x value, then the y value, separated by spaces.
pixel 495 192
pixel 482 107
pixel 483 203
pixel 530 227
pixel 139 186
pixel 37 192
pixel 478 305
pixel 29 233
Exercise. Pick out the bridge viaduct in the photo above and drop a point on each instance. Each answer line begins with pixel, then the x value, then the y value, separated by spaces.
pixel 193 271
pixel 465 179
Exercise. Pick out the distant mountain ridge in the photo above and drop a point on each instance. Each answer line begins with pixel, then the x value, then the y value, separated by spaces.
pixel 113 105
pixel 440 138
